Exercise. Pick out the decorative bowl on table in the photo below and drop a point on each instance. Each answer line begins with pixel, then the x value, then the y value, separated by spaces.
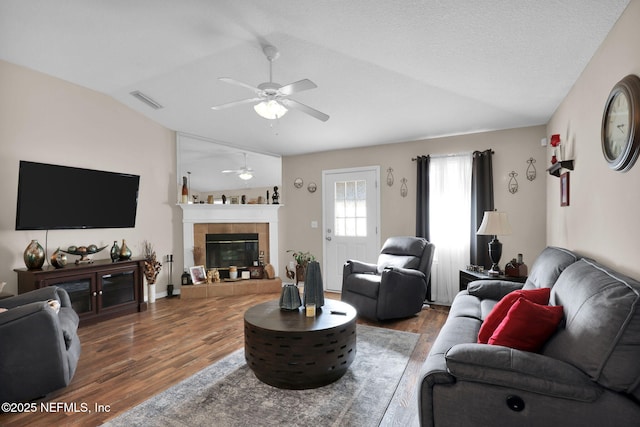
pixel 83 252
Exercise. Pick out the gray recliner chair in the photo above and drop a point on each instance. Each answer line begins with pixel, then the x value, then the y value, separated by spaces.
pixel 396 286
pixel 39 348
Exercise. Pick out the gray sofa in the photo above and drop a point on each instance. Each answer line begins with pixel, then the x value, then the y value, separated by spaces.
pixel 39 347
pixel 587 373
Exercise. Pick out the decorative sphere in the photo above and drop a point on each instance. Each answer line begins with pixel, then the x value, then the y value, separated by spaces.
pixel 72 248
pixel 82 249
pixel 58 259
pixel 92 248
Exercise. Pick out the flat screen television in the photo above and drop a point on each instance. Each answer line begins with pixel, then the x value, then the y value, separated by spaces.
pixel 61 197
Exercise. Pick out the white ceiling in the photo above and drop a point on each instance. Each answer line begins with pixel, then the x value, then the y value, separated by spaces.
pixel 387 71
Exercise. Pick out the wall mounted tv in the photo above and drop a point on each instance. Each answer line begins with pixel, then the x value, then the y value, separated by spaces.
pixel 62 197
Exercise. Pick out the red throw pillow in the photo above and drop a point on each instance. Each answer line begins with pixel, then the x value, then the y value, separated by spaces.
pixel 527 325
pixel 499 311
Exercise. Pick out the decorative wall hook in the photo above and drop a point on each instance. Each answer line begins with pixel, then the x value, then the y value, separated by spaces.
pixel 403 187
pixel 390 177
pixel 513 183
pixel 531 170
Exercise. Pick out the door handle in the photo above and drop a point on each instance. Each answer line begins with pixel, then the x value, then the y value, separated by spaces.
pixel 328 238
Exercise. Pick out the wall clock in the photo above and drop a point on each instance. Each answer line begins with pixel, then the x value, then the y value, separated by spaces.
pixel 621 124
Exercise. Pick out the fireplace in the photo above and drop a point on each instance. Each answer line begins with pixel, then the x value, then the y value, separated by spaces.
pixel 202 219
pixel 227 249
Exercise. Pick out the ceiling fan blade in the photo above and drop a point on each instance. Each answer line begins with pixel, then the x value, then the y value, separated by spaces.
pixel 229 80
pixel 305 109
pixel 298 86
pixel 236 103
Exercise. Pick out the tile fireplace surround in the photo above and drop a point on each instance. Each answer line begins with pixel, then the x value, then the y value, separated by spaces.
pixel 195 214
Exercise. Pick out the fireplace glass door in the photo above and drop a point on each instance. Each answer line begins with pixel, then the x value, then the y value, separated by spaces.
pixel 225 250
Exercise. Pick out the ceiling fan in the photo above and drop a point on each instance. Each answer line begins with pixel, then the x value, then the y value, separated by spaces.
pixel 245 173
pixel 272 99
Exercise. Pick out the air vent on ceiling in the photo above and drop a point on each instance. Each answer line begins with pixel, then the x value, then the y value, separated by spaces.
pixel 144 98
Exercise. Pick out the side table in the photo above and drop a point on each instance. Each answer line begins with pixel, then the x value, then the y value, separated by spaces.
pixel 467 276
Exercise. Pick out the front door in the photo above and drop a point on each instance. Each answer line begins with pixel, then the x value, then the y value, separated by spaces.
pixel 350 216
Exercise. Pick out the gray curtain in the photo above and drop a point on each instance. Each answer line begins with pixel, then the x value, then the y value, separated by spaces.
pixel 422 204
pixel 481 201
pixel 422 199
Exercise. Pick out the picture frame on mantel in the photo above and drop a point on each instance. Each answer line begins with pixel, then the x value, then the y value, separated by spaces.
pixel 198 274
pixel 564 189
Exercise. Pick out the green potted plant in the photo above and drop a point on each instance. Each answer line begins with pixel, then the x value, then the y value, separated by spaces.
pixel 302 260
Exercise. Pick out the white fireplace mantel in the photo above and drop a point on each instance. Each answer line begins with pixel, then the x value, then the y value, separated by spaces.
pixel 220 214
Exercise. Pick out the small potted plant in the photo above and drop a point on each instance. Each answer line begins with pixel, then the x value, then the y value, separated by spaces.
pixel 302 260
pixel 151 269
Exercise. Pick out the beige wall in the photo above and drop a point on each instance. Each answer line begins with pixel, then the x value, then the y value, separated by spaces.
pixel 44 119
pixel 602 220
pixel 513 148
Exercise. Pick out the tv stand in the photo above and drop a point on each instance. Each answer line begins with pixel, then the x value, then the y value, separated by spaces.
pixel 98 291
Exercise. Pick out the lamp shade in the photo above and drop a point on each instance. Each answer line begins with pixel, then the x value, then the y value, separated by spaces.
pixel 494 223
pixel 271 109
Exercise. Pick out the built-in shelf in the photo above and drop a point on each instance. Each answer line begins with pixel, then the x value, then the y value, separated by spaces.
pixel 562 164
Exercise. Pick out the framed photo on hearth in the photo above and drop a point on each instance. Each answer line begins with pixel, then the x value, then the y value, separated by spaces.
pixel 197 274
pixel 564 189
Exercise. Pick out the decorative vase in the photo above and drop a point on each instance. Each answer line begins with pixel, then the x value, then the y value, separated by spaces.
pixel 58 259
pixel 152 292
pixel 34 256
pixel 290 297
pixel 125 252
pixel 115 251
pixel 313 289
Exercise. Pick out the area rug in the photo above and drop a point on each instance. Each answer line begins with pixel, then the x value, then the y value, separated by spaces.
pixel 227 393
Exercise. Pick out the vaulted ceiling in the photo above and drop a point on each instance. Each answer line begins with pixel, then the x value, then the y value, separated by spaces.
pixel 387 71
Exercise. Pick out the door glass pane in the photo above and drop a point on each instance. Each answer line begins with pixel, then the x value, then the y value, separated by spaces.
pixel 350 208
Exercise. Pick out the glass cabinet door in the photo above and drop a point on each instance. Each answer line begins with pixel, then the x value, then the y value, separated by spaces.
pixel 117 288
pixel 81 294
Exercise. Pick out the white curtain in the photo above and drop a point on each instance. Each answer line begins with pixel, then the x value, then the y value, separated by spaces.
pixel 450 220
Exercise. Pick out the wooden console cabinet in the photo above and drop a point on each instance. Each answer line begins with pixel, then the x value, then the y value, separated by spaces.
pixel 100 290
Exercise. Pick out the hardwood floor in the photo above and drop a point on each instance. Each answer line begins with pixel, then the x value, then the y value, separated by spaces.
pixel 127 360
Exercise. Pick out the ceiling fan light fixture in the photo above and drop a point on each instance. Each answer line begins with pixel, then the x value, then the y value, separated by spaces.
pixel 270 110
pixel 246 175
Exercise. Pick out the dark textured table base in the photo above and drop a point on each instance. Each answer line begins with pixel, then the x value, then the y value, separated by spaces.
pixel 300 359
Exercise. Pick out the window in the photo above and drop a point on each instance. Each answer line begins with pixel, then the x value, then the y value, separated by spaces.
pixel 350 203
pixel 449 222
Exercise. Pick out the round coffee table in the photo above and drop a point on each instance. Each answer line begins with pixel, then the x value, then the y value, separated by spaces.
pixel 286 349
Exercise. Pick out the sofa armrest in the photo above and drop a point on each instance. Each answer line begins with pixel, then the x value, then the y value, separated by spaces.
pixel 353 267
pixel 492 289
pixel 404 280
pixel 14 314
pixel 507 367
pixel 405 273
pixel 42 294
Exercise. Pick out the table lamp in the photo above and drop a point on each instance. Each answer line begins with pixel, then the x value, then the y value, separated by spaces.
pixel 494 223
